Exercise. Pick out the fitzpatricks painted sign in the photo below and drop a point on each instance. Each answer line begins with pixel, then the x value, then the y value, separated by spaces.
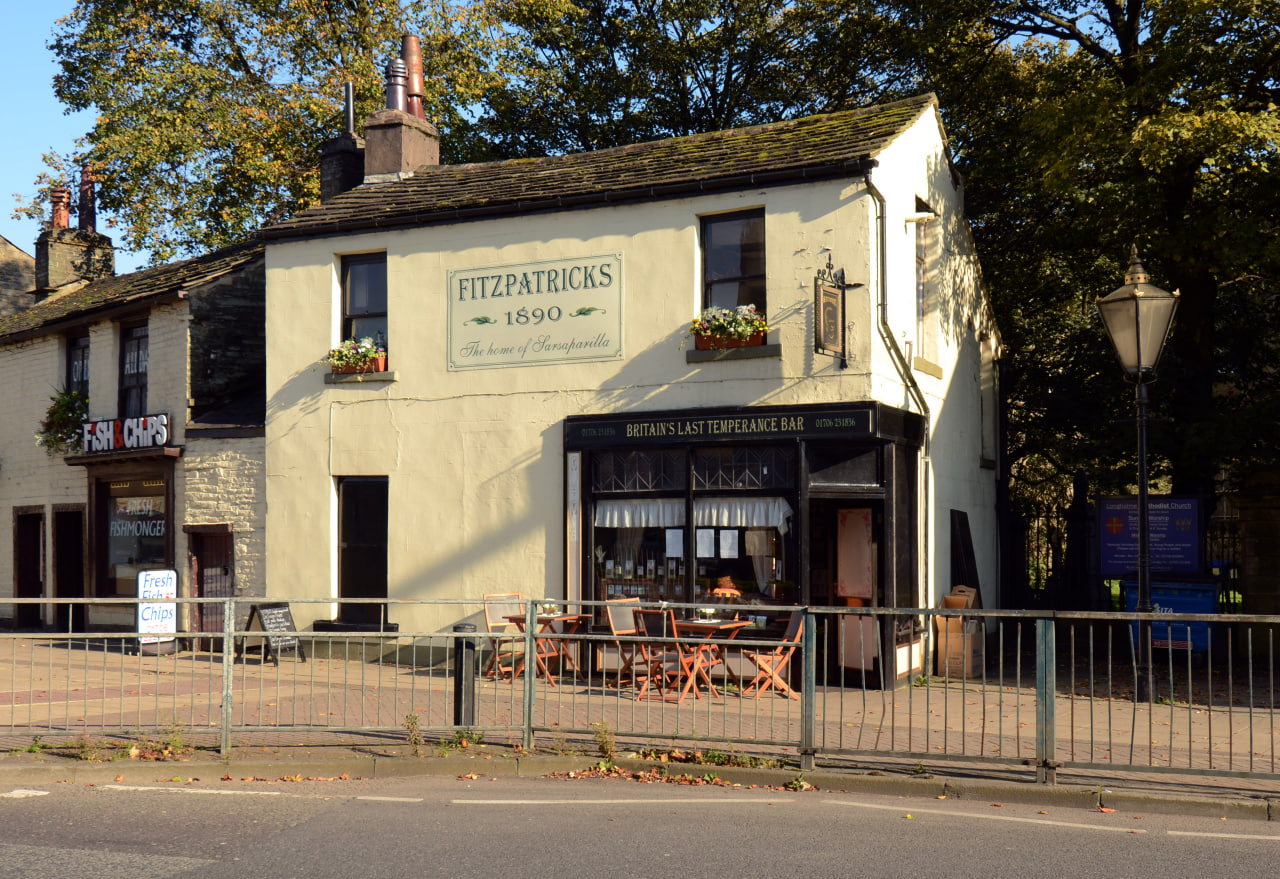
pixel 1174 534
pixel 555 311
pixel 121 434
pixel 157 611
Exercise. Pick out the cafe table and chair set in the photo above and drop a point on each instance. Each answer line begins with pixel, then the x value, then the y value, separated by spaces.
pixel 661 655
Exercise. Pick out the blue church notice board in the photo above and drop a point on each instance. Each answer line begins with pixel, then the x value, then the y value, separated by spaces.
pixel 1174 534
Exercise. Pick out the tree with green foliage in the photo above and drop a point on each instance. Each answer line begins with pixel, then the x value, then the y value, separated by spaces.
pixel 211 112
pixel 587 74
pixel 1085 128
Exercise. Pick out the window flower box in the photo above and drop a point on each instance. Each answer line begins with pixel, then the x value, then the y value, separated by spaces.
pixel 715 343
pixel 357 356
pixel 377 364
pixel 741 327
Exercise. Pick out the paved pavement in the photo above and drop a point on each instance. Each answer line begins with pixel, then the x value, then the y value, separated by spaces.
pixel 332 715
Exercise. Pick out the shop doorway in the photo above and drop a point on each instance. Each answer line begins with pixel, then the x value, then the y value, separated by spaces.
pixel 846 571
pixel 68 562
pixel 213 572
pixel 28 545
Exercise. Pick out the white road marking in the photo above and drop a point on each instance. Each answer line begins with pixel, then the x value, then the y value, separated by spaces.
pixel 1223 835
pixel 954 814
pixel 193 790
pixel 391 799
pixel 20 793
pixel 664 801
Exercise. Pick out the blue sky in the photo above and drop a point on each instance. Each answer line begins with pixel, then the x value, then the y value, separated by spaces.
pixel 34 120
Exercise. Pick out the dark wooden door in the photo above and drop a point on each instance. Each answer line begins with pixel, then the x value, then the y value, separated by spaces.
pixel 214 575
pixel 68 560
pixel 362 548
pixel 28 542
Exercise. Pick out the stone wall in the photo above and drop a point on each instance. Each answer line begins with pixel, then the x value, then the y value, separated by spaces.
pixel 223 481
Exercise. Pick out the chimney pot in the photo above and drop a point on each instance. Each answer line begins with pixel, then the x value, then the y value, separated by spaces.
pixel 411 52
pixel 88 211
pixel 60 208
pixel 396 76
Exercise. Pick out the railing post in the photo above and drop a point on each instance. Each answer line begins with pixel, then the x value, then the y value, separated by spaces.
pixel 530 665
pixel 464 676
pixel 228 673
pixel 1046 693
pixel 808 690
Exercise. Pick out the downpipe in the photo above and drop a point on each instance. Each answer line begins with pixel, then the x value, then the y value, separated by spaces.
pixel 904 371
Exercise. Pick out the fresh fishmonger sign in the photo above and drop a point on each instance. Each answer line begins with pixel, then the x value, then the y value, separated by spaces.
pixel 553 311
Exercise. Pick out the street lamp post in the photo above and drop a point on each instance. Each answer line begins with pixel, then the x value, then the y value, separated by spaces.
pixel 1137 317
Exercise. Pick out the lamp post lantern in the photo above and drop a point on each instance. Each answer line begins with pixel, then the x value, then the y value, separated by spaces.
pixel 1137 317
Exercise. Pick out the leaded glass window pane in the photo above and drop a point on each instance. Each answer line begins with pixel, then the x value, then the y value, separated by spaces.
pixel 657 470
pixel 745 467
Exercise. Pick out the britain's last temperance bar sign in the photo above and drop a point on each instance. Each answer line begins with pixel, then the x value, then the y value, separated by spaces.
pixel 526 314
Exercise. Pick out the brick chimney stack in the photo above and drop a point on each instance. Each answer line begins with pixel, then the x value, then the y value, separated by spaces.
pixel 65 256
pixel 396 142
pixel 342 158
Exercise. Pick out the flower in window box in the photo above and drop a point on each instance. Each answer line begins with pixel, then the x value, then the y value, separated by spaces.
pixel 358 356
pixel 729 327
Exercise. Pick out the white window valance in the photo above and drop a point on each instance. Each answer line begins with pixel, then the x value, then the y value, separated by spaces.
pixel 756 512
pixel 664 513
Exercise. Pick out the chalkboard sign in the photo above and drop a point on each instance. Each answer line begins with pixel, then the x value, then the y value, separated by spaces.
pixel 276 622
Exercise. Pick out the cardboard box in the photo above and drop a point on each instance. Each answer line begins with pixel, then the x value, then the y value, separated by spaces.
pixel 961 641
pixel 960 647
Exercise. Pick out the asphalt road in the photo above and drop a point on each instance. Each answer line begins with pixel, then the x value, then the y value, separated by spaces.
pixel 443 826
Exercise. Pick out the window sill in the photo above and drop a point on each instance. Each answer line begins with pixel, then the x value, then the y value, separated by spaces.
pixel 928 367
pixel 361 378
pixel 695 356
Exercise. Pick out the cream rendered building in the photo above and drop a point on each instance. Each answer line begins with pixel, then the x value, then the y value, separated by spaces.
pixel 545 424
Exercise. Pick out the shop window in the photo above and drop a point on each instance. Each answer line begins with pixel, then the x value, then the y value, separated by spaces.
pixel 364 297
pixel 133 371
pixel 136 539
pixel 362 547
pixel 639 548
pixel 661 470
pixel 78 364
pixel 733 260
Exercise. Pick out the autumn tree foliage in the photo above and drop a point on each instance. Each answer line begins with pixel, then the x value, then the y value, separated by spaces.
pixel 211 112
pixel 1081 128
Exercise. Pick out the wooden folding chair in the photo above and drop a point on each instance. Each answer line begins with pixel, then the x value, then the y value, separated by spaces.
pixel 656 664
pixel 506 655
pixel 621 615
pixel 771 665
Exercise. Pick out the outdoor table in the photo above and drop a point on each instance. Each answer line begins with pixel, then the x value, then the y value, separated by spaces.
pixel 701 655
pixel 551 648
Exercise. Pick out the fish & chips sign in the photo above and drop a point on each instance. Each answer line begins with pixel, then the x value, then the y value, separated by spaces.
pixel 555 311
pixel 124 434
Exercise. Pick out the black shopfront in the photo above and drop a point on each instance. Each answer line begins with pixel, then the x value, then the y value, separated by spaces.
pixel 810 504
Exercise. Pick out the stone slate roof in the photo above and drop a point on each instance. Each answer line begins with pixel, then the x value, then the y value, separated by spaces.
pixel 815 147
pixel 62 308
